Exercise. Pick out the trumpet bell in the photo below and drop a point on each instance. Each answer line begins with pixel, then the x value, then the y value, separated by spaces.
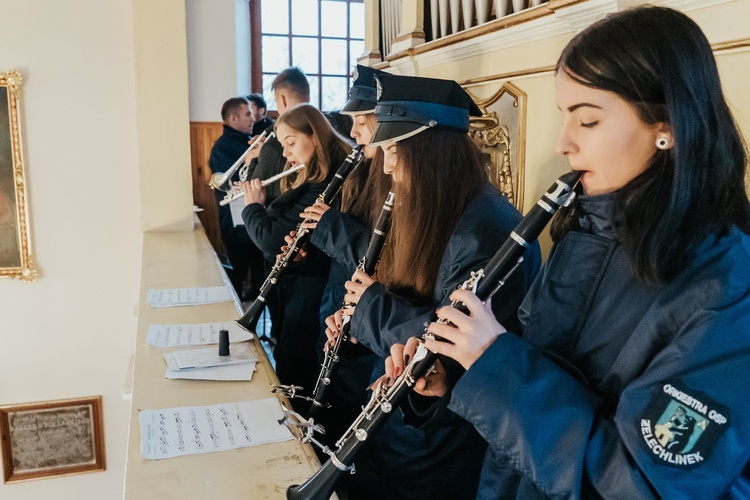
pixel 219 183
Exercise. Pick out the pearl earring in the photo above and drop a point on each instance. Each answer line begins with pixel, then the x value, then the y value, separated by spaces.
pixel 662 142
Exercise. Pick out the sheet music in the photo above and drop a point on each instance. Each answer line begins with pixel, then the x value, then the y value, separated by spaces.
pixel 236 207
pixel 197 334
pixel 205 357
pixel 190 430
pixel 174 297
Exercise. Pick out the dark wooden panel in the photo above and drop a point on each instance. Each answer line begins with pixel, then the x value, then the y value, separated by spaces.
pixel 202 138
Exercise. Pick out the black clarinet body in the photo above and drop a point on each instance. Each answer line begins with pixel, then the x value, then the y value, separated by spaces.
pixel 352 161
pixel 368 263
pixel 484 283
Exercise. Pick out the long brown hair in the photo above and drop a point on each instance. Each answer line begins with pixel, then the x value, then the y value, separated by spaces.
pixel 442 172
pixel 329 146
pixel 366 189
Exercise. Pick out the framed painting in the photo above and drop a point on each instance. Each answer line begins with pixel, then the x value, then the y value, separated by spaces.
pixel 51 438
pixel 15 254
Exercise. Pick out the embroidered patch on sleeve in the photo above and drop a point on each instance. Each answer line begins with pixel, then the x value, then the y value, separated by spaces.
pixel 680 426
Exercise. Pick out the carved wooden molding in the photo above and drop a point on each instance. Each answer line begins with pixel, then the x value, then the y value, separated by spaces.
pixel 501 133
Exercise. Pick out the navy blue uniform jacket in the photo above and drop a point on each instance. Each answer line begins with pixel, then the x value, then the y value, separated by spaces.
pixel 618 389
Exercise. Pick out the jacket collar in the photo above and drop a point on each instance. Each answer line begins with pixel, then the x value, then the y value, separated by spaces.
pixel 234 133
pixel 595 216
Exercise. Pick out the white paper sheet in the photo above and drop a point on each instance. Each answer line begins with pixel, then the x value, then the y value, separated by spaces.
pixel 204 357
pixel 198 334
pixel 230 373
pixel 190 430
pixel 236 207
pixel 175 297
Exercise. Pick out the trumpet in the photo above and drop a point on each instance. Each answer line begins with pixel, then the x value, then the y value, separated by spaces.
pixel 223 181
pixel 484 283
pixel 237 194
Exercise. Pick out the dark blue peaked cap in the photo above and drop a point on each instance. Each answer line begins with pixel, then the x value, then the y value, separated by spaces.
pixel 363 94
pixel 408 105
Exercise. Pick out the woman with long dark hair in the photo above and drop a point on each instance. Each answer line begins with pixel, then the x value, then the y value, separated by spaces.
pixel 307 138
pixel 630 379
pixel 447 221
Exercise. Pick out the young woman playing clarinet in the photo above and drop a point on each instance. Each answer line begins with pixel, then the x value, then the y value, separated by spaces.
pixel 630 378
pixel 342 232
pixel 447 222
pixel 307 139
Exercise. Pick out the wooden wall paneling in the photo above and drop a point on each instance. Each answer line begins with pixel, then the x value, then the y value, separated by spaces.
pixel 202 138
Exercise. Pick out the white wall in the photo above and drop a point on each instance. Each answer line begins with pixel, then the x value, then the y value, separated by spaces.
pixel 71 333
pixel 218 55
pixel 104 110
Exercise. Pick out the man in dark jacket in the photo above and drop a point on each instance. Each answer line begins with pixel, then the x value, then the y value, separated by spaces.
pixel 238 120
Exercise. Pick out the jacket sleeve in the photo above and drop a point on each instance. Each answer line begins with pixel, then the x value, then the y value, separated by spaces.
pixel 269 163
pixel 267 227
pixel 382 319
pixel 341 237
pixel 546 424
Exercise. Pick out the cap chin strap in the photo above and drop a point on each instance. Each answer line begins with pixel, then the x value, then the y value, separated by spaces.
pixel 396 139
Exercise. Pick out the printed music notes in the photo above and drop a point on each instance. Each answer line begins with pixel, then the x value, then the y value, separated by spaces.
pixel 190 430
pixel 175 297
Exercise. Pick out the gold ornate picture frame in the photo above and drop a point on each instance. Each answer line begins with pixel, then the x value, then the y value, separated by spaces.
pixel 15 245
pixel 52 438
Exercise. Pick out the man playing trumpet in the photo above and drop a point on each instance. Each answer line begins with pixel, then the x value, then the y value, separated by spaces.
pixel 238 120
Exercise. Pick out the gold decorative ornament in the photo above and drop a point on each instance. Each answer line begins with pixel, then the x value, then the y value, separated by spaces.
pixel 15 244
pixel 501 133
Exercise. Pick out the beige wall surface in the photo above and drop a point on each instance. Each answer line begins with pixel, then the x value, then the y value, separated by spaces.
pixel 218 49
pixel 162 117
pixel 70 334
pixel 104 114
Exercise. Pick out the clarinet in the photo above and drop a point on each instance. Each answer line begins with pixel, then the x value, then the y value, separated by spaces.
pixel 355 158
pixel 484 283
pixel 366 264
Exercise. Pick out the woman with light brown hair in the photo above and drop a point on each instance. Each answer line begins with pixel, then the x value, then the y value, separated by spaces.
pixel 307 139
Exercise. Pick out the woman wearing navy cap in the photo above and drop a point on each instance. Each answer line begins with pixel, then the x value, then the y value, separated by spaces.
pixel 343 233
pixel 630 379
pixel 447 222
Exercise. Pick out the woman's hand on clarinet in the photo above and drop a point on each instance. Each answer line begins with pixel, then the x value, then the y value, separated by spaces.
pixel 254 192
pixel 289 239
pixel 355 287
pixel 468 336
pixel 314 213
pixel 334 323
pixel 433 384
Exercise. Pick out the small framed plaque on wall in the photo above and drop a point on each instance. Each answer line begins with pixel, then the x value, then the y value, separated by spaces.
pixel 52 438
